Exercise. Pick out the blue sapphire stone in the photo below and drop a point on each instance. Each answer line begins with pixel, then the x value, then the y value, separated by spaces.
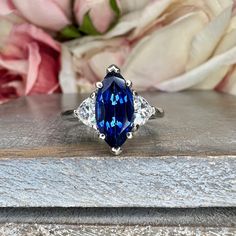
pixel 114 109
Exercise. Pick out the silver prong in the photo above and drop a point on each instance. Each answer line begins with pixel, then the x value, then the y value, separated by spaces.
pixel 157 113
pixel 93 95
pixel 135 93
pixel 99 85
pixel 94 127
pixel 160 111
pixel 129 135
pixel 129 83
pixel 114 68
pixel 116 151
pixel 102 136
pixel 135 128
pixel 76 113
pixel 153 110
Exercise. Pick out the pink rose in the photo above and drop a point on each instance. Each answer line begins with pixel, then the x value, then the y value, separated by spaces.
pixel 29 63
pixel 101 13
pixel 49 14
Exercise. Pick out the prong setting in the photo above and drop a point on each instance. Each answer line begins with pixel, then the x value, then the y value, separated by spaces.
pixel 99 85
pixel 161 112
pixel 116 151
pixel 102 136
pixel 153 110
pixel 157 112
pixel 93 95
pixel 129 135
pixel 135 128
pixel 76 113
pixel 94 127
pixel 129 83
pixel 113 68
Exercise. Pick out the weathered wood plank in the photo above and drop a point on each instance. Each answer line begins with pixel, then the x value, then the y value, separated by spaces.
pixel 89 230
pixel 118 182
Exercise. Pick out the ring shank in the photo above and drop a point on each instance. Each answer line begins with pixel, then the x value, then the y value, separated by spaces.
pixel 69 115
pixel 159 113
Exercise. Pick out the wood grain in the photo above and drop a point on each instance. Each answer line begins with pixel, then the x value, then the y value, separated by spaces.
pixel 117 221
pixel 118 182
pixel 162 217
pixel 195 124
pixel 187 159
pixel 86 230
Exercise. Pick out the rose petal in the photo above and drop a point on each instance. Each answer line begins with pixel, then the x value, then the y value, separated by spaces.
pixel 67 75
pixel 151 12
pixel 16 66
pixel 139 19
pixel 228 85
pixel 5 29
pixel 10 85
pixel 47 79
pixel 103 22
pixel 65 6
pixel 205 41
pixel 27 33
pixel 216 6
pixel 226 43
pixel 99 62
pixel 43 13
pixel 6 7
pixel 134 5
pixel 213 78
pixel 100 12
pixel 34 62
pixel 164 53
pixel 200 73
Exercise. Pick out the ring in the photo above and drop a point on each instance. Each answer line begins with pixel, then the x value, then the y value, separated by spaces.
pixel 115 110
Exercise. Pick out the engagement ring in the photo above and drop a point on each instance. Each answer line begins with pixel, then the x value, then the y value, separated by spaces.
pixel 114 110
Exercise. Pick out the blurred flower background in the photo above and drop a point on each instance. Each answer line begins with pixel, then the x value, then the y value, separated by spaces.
pixel 49 46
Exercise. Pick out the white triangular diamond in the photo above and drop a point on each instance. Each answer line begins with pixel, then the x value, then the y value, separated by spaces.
pixel 142 110
pixel 86 112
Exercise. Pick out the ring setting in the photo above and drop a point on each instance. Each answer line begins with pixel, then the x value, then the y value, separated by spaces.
pixel 115 111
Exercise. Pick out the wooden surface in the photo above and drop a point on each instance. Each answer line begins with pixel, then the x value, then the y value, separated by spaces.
pixel 144 182
pixel 117 221
pixel 195 124
pixel 187 159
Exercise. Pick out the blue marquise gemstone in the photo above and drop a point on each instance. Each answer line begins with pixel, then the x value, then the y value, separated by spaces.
pixel 114 109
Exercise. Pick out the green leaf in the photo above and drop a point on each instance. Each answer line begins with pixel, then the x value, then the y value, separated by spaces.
pixel 114 6
pixel 116 9
pixel 69 32
pixel 87 26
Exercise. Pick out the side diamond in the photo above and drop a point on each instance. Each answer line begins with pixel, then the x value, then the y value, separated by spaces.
pixel 142 110
pixel 86 112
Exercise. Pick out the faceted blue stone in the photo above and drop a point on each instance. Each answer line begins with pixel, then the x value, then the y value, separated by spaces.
pixel 114 109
